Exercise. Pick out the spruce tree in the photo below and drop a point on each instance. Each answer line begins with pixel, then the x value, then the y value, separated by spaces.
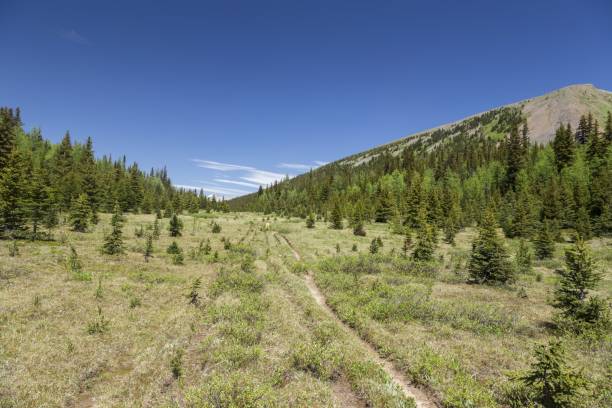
pixel 544 241
pixel 553 383
pixel 80 214
pixel 489 259
pixel 7 136
pixel 13 194
pixel 426 243
pixel 310 221
pixel 579 276
pixel 563 146
pixel 155 232
pixel 176 226
pixel 608 129
pixel 336 217
pixel 523 257
pixel 63 171
pixel 113 243
pixel 384 207
pixel 89 184
pixel 148 252
pixel 515 156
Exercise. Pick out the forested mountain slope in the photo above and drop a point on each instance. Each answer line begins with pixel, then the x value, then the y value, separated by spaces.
pixel 542 159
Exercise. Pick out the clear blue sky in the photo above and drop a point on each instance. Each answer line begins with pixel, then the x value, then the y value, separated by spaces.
pixel 267 86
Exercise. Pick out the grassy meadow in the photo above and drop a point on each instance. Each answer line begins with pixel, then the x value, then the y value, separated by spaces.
pixel 234 323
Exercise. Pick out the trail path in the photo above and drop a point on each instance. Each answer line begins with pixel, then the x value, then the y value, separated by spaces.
pixel 421 398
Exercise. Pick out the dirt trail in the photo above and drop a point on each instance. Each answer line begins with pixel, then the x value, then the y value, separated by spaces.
pixel 421 398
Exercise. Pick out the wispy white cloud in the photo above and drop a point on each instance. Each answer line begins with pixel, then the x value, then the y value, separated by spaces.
pixel 321 163
pixel 238 183
pixel 213 165
pixel 248 173
pixel 262 177
pixel 295 166
pixel 73 36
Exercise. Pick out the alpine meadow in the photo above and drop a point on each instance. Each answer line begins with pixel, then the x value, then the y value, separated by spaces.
pixel 468 265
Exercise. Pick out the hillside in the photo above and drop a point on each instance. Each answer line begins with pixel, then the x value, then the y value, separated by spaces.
pixel 479 133
pixel 543 115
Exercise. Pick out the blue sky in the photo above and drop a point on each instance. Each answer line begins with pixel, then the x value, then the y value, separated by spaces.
pixel 232 94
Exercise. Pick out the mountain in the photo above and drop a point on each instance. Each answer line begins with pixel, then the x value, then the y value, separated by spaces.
pixel 447 176
pixel 543 114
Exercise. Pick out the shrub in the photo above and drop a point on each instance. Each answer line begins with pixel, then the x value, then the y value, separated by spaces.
pixel 216 228
pixel 99 325
pixel 176 363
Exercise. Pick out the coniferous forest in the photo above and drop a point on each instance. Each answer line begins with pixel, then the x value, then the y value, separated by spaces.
pixel 43 184
pixel 448 177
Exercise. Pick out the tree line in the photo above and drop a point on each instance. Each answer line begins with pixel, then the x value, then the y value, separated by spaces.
pixel 43 184
pixel 448 177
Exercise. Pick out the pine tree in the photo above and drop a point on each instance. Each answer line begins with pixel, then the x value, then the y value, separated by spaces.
pixel 7 136
pixel 63 171
pixel 80 214
pixel 88 176
pixel 176 252
pixel 148 252
pixel 336 217
pixel 515 156
pixel 563 146
pixel 176 226
pixel 384 207
pixel 13 194
pixel 608 129
pixel 544 241
pixel 113 243
pixel 523 257
pixel 579 276
pixel 426 243
pixel 489 259
pixel 554 384
pixel 583 130
pixel 310 221
pixel 155 232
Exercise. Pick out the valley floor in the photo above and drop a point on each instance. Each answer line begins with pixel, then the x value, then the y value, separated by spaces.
pixel 284 316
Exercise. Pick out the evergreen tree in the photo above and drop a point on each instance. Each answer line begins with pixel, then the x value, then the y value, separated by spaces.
pixel 7 136
pixel 426 243
pixel 583 130
pixel 515 156
pixel 563 146
pixel 148 252
pixel 608 129
pixel 176 226
pixel 113 243
pixel 576 280
pixel 13 194
pixel 358 229
pixel 544 241
pixel 554 384
pixel 489 260
pixel 155 232
pixel 523 257
pixel 80 214
pixel 88 177
pixel 63 170
pixel 310 221
pixel 384 207
pixel 336 217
